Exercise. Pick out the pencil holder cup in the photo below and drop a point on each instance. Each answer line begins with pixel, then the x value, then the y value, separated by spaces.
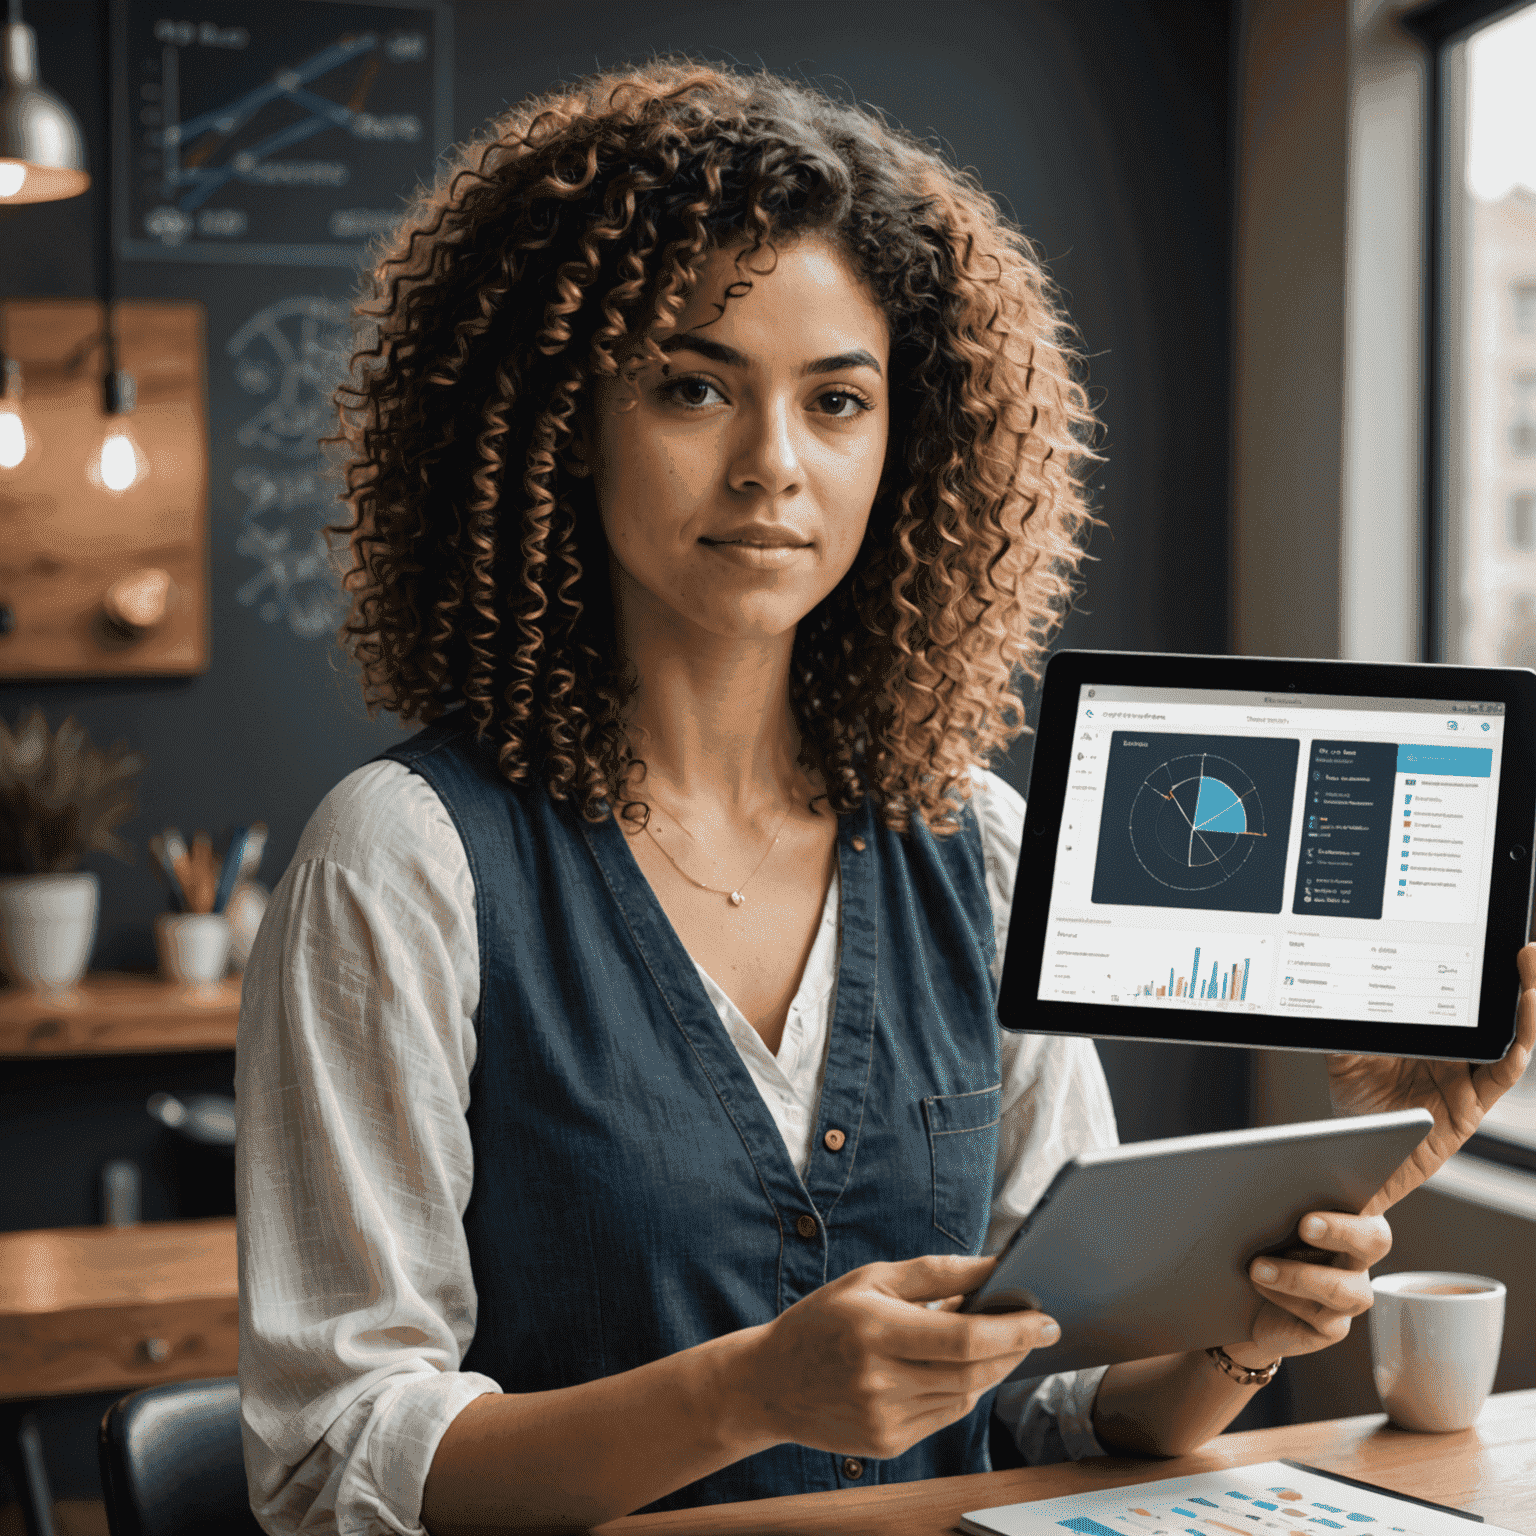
pixel 193 946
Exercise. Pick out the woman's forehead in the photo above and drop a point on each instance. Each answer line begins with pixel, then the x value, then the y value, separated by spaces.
pixel 805 294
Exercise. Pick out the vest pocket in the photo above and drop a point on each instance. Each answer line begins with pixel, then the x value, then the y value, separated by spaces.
pixel 962 1137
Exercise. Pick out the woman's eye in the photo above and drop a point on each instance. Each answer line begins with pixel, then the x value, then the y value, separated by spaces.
pixel 692 393
pixel 844 398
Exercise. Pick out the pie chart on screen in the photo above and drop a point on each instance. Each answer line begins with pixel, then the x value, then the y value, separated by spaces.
pixel 1195 820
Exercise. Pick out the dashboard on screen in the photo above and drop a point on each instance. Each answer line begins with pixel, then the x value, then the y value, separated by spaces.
pixel 1254 853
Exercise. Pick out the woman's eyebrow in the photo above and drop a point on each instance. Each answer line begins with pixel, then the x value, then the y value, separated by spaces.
pixel 729 357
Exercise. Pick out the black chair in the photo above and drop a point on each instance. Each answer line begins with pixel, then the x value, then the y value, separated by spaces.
pixel 172 1463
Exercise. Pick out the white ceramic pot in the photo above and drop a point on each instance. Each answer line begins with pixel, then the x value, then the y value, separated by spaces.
pixel 48 928
pixel 193 946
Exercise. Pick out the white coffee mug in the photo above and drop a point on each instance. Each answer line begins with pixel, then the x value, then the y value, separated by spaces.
pixel 1435 1339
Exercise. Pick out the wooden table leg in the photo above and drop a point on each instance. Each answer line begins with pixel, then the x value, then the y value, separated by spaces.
pixel 21 1448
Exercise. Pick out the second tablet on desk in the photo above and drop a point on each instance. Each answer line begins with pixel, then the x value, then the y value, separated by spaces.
pixel 1310 855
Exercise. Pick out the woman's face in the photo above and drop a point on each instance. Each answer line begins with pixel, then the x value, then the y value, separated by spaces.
pixel 735 492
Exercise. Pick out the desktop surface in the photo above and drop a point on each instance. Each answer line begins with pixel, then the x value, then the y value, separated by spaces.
pixel 1489 1470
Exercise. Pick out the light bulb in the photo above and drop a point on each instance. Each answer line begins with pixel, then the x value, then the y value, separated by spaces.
pixel 121 462
pixel 13 437
pixel 12 174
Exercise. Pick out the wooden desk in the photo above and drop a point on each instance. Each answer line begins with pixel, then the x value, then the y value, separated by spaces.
pixel 107 1309
pixel 98 1309
pixel 1489 1469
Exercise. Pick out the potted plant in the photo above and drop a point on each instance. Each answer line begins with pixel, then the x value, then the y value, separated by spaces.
pixel 60 798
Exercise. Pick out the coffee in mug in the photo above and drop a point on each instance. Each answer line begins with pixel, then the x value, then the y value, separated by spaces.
pixel 1435 1340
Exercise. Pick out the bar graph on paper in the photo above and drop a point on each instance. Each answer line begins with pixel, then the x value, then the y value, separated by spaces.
pixel 1163 967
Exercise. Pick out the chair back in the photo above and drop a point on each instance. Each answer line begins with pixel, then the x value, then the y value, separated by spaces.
pixel 172 1463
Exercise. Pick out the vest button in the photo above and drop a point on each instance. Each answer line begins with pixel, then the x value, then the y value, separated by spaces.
pixel 852 1467
pixel 806 1226
pixel 834 1140
pixel 858 847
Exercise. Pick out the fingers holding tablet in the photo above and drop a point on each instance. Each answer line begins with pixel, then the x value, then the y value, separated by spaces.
pixel 1493 1080
pixel 1311 1305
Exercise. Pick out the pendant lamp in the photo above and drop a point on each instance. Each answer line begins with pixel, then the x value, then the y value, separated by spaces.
pixel 42 152
pixel 120 463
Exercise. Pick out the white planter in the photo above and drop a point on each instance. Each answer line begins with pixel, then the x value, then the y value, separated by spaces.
pixel 193 946
pixel 48 928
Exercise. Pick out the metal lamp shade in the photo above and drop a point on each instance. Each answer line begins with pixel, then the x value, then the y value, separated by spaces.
pixel 38 133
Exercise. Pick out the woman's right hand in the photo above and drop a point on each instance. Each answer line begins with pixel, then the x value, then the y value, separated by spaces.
pixel 864 1367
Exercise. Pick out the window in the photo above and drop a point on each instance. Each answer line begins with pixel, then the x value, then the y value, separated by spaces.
pixel 1483 578
pixel 1480 568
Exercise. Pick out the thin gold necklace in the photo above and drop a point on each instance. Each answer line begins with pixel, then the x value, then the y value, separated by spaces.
pixel 734 897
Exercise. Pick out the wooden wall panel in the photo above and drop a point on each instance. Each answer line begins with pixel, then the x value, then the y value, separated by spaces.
pixel 63 539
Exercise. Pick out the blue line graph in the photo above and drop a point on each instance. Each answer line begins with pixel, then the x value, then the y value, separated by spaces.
pixel 286 136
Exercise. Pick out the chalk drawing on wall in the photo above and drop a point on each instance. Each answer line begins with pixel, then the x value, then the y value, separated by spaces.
pixel 288 358
pixel 291 356
pixel 275 135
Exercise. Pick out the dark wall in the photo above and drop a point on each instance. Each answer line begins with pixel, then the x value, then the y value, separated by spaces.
pixel 1104 128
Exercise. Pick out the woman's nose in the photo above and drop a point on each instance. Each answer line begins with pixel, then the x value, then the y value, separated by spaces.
pixel 768 454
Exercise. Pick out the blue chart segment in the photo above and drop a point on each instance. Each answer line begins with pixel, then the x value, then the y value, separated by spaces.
pixel 1219 808
pixel 1195 820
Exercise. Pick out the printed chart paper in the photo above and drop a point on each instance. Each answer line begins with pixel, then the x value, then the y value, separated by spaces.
pixel 1243 1501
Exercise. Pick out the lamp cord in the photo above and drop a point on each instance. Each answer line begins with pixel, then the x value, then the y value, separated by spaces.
pixel 103 194
pixel 15 13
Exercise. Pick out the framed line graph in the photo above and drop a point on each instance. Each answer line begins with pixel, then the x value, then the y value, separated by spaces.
pixel 273 136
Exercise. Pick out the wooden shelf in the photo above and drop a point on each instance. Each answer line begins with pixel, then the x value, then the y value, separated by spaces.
pixel 117 1012
pixel 96 1309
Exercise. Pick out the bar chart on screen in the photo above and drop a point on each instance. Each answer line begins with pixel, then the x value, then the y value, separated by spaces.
pixel 1169 967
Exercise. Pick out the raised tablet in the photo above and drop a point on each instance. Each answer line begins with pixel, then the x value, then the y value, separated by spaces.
pixel 1303 855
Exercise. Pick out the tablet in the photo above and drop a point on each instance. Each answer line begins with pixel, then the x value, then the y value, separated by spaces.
pixel 1303 855
pixel 1143 1249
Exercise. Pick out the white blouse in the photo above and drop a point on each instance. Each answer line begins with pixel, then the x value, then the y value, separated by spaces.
pixel 354 1164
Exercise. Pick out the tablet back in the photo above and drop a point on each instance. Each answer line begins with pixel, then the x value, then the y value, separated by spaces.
pixel 1143 1249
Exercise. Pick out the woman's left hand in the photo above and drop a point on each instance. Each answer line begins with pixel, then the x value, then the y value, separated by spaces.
pixel 1308 1306
pixel 1457 1093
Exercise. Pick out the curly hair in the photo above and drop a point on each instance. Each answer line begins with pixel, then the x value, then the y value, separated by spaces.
pixel 549 252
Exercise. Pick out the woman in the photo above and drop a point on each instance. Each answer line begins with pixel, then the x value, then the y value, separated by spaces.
pixel 623 1107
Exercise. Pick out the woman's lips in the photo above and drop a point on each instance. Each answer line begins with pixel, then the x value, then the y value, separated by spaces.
pixel 755 556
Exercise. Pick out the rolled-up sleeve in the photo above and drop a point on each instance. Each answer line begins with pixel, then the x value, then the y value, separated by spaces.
pixel 1055 1104
pixel 354 1165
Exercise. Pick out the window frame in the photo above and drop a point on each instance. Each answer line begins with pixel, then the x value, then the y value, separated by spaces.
pixel 1438 26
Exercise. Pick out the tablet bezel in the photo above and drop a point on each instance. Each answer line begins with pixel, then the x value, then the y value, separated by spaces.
pixel 1019 1006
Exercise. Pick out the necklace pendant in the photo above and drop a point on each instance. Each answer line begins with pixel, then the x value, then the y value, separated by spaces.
pixel 737 898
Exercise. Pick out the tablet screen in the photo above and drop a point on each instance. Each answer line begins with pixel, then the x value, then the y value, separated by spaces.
pixel 1278 854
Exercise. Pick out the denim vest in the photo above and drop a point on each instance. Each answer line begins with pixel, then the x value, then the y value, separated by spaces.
pixel 632 1194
